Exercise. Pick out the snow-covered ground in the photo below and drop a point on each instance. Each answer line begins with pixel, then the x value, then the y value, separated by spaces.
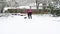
pixel 37 25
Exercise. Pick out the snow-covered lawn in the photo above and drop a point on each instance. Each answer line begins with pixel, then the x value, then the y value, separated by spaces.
pixel 37 25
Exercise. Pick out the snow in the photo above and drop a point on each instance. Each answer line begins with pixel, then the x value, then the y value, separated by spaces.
pixel 32 4
pixel 39 24
pixel 22 7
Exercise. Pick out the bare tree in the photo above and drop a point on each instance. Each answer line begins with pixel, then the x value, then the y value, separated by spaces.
pixel 37 6
pixel 2 5
pixel 57 1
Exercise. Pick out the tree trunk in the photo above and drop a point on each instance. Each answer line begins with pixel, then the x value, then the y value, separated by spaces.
pixel 37 6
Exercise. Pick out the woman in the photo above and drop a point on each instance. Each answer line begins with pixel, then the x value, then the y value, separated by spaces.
pixel 29 12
